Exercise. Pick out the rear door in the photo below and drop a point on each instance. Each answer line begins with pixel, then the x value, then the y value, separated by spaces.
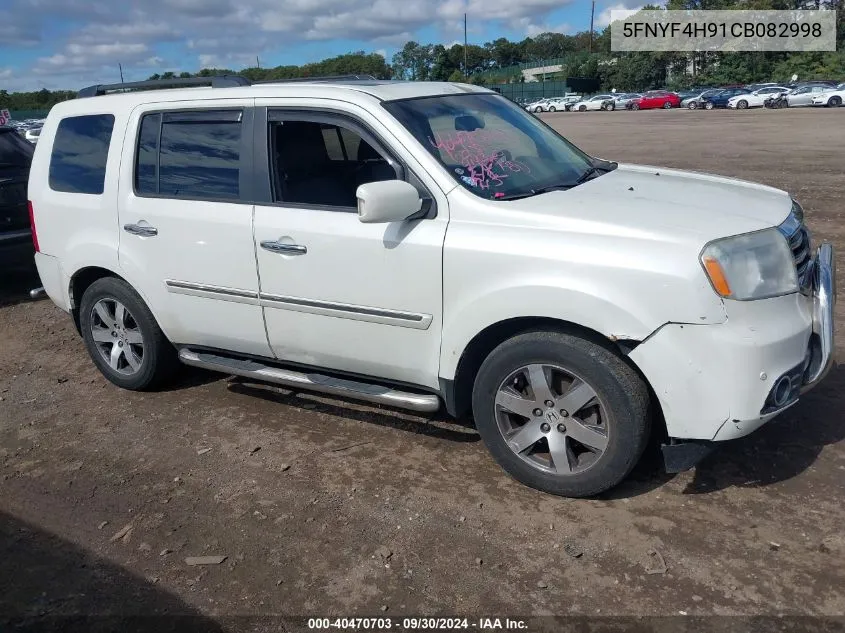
pixel 339 294
pixel 186 221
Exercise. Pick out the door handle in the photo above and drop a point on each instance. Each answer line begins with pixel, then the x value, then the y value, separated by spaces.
pixel 286 249
pixel 142 230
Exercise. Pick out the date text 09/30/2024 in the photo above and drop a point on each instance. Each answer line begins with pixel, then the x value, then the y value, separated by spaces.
pixel 416 624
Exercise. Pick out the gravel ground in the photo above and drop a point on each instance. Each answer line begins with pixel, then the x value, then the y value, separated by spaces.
pixel 324 507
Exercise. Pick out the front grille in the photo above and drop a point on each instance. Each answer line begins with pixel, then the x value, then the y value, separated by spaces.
pixel 798 236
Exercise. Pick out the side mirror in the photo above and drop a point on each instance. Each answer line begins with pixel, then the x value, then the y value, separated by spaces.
pixel 387 201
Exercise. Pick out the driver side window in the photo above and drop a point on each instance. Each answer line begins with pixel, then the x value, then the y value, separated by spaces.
pixel 322 164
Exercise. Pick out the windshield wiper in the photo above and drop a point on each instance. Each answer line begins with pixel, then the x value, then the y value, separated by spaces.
pixel 598 167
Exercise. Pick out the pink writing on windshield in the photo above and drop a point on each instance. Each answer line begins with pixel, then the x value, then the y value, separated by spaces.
pixel 480 153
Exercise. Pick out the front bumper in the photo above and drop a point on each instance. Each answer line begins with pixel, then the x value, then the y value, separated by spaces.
pixel 716 382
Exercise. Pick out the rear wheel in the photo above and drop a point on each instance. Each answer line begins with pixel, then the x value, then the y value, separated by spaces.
pixel 552 109
pixel 667 105
pixel 582 108
pixel 122 336
pixel 708 106
pixel 635 106
pixel 560 413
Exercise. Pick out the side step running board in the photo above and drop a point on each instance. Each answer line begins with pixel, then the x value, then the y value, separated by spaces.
pixel 380 394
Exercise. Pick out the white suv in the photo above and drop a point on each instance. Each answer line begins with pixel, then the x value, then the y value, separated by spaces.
pixel 422 244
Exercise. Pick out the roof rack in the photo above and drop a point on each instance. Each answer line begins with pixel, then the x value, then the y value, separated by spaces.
pixel 328 78
pixel 217 81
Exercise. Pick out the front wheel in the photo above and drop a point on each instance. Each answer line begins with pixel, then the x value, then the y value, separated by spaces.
pixel 742 104
pixel 692 105
pixel 667 105
pixel 560 413
pixel 635 106
pixel 582 108
pixel 122 336
pixel 708 106
pixel 834 102
pixel 552 109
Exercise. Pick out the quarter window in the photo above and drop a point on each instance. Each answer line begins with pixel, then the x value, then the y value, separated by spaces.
pixel 190 155
pixel 80 152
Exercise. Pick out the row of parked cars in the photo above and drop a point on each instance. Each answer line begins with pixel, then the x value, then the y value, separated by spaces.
pixel 30 129
pixel 810 93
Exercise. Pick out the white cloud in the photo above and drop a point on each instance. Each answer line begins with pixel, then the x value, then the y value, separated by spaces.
pixel 140 34
pixel 6 73
pixel 603 19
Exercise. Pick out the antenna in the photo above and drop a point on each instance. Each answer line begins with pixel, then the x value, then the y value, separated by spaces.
pixel 119 65
pixel 466 69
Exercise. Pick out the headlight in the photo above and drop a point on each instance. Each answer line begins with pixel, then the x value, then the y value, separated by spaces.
pixel 752 266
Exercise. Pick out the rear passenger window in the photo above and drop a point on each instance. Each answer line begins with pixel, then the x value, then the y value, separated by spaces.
pixel 80 152
pixel 190 155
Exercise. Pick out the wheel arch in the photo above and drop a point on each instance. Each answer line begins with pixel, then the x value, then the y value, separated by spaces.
pixel 82 279
pixel 457 392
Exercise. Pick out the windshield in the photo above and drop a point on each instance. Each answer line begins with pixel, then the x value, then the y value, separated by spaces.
pixel 489 146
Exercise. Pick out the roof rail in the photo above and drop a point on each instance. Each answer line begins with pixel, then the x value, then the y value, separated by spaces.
pixel 327 78
pixel 216 81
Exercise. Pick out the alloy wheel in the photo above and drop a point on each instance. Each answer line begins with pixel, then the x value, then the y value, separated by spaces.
pixel 552 419
pixel 117 336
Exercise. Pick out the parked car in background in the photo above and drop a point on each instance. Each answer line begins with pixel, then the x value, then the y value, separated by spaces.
pixel 832 98
pixel 756 98
pixel 599 102
pixel 656 99
pixel 803 96
pixel 541 105
pixel 16 247
pixel 623 101
pixel 32 134
pixel 562 104
pixel 720 99
pixel 697 100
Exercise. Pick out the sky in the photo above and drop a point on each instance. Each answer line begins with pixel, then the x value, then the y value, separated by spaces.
pixel 68 44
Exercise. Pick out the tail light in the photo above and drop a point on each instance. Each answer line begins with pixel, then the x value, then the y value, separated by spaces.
pixel 32 224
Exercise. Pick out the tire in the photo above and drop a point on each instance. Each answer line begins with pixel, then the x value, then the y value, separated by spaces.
pixel 552 109
pixel 616 413
pixel 742 104
pixel 834 102
pixel 635 106
pixel 667 105
pixel 582 108
pixel 692 105
pixel 708 105
pixel 147 358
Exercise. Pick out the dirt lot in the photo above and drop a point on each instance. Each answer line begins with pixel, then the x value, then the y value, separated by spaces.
pixel 328 508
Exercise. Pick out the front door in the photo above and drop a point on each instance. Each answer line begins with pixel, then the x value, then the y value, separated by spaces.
pixel 338 294
pixel 186 224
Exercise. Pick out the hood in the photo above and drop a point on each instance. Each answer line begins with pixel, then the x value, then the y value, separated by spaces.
pixel 654 200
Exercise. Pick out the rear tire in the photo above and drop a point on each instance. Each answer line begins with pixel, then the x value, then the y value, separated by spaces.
pixel 123 338
pixel 708 106
pixel 552 109
pixel 575 453
pixel 635 106
pixel 667 105
pixel 582 108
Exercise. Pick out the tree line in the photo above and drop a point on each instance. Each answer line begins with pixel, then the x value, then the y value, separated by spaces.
pixel 582 54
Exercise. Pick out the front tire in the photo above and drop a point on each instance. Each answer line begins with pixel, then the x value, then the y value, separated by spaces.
pixel 692 105
pixel 582 108
pixel 667 105
pixel 708 106
pixel 635 106
pixel 552 109
pixel 742 104
pixel 122 336
pixel 561 414
pixel 834 102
